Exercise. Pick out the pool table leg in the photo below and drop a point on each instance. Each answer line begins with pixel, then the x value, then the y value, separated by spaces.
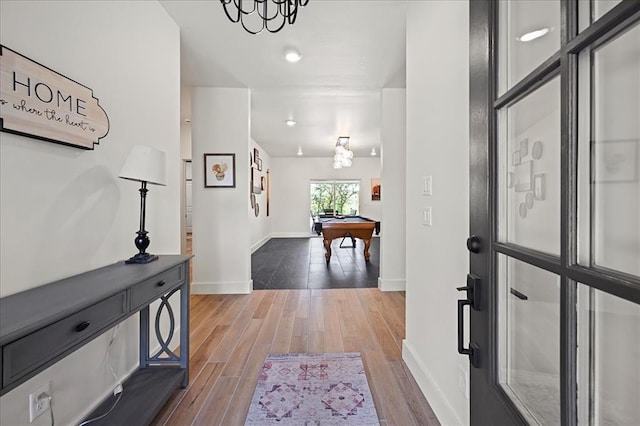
pixel 367 244
pixel 327 249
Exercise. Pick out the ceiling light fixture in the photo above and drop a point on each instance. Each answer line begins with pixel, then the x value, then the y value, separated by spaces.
pixel 299 150
pixel 259 15
pixel 292 55
pixel 533 35
pixel 344 155
pixel 290 122
pixel 373 152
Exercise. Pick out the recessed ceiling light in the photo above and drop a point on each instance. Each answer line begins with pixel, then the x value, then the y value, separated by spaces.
pixel 373 152
pixel 299 150
pixel 533 35
pixel 292 55
pixel 290 122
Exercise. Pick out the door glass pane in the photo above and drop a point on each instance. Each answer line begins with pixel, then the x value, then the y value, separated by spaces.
pixel 529 318
pixel 529 170
pixel 591 11
pixel 529 33
pixel 608 367
pixel 609 153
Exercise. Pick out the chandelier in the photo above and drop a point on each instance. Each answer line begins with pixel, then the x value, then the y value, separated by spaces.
pixel 343 155
pixel 259 15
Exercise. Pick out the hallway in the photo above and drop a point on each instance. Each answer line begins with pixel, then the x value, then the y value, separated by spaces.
pixel 299 263
pixel 232 334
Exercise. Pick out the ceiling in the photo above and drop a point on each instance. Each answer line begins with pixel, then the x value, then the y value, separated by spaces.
pixel 351 49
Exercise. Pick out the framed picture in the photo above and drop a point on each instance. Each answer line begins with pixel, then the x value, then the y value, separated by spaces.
pixel 219 170
pixel 524 148
pixel 515 158
pixel 616 161
pixel 259 164
pixel 376 186
pixel 255 181
pixel 538 186
pixel 268 190
pixel 262 185
pixel 256 155
pixel 523 177
pixel 536 151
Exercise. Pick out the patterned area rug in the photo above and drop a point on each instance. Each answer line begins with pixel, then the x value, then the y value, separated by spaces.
pixel 312 389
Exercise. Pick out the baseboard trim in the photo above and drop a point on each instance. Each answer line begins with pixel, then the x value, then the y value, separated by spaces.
pixel 293 235
pixel 391 285
pixel 439 403
pixel 245 287
pixel 260 243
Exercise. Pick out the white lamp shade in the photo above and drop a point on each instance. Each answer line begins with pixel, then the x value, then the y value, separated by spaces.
pixel 145 164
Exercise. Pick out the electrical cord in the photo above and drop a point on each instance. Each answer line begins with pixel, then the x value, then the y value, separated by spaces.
pixel 117 392
pixel 107 413
pixel 108 356
pixel 53 422
pixel 45 395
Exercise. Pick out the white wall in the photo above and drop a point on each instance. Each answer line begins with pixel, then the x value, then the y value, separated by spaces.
pixel 221 232
pixel 290 179
pixel 64 211
pixel 261 224
pixel 393 194
pixel 185 126
pixel 437 145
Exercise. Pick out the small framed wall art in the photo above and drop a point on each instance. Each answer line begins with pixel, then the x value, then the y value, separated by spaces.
pixel 219 170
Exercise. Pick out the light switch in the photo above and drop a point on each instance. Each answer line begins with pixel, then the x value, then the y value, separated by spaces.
pixel 426 216
pixel 426 185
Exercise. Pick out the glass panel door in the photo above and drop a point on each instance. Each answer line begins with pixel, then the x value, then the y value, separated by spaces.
pixel 609 152
pixel 609 342
pixel 554 287
pixel 529 34
pixel 530 339
pixel 529 170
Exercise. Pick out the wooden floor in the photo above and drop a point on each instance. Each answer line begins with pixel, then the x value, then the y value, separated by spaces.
pixel 232 334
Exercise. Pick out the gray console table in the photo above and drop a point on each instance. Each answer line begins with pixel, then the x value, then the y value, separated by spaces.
pixel 40 326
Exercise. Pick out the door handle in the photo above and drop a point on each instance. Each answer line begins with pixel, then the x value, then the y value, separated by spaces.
pixel 473 301
pixel 472 351
pixel 473 291
pixel 473 244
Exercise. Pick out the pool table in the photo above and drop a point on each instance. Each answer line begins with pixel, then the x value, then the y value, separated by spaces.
pixel 333 227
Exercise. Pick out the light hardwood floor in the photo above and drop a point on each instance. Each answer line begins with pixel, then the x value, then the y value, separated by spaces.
pixel 232 334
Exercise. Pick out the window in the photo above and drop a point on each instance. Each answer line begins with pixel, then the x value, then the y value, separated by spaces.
pixel 334 196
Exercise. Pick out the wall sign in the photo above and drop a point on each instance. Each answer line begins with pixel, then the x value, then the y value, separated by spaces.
pixel 38 102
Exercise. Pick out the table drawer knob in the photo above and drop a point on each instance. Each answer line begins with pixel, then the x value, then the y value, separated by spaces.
pixel 161 283
pixel 82 326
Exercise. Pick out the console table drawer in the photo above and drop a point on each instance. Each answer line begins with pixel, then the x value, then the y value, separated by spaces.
pixel 150 289
pixel 27 354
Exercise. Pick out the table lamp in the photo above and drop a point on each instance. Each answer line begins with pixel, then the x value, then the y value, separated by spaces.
pixel 145 165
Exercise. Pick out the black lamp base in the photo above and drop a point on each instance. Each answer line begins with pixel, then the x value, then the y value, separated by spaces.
pixel 141 258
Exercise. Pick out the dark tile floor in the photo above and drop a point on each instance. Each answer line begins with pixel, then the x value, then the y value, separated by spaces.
pixel 299 263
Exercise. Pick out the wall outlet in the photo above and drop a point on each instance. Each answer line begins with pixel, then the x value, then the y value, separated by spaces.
pixel 427 188
pixel 426 216
pixel 39 401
